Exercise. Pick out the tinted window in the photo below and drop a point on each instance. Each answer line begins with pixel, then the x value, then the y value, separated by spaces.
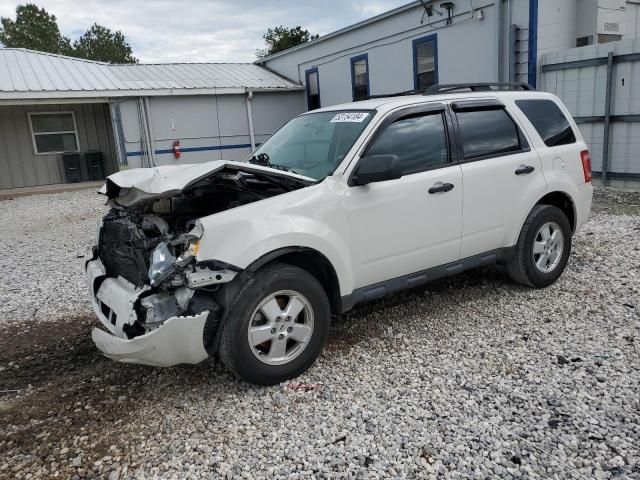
pixel 487 133
pixel 549 121
pixel 420 142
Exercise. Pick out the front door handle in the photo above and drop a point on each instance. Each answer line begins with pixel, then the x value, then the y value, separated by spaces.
pixel 524 169
pixel 441 187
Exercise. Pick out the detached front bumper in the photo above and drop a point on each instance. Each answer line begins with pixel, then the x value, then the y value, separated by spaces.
pixel 178 340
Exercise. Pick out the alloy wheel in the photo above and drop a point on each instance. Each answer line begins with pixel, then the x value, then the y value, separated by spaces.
pixel 280 327
pixel 548 246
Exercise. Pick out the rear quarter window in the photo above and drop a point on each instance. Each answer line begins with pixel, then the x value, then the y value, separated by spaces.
pixel 549 121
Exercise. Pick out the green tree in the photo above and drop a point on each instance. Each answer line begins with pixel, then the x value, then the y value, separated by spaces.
pixel 101 44
pixel 281 38
pixel 34 29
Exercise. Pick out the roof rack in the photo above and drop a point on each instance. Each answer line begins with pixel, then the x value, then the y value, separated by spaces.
pixel 455 87
pixel 477 87
pixel 398 94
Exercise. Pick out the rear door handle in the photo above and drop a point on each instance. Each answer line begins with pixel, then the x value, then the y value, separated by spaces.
pixel 524 169
pixel 441 187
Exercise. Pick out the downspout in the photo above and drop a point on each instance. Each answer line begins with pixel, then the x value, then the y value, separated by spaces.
pixel 500 38
pixel 250 119
pixel 532 63
pixel 144 139
pixel 118 137
pixel 152 141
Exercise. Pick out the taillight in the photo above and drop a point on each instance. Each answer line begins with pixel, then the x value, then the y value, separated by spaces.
pixel 586 165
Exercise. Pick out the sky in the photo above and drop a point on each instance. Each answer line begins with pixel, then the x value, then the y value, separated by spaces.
pixel 203 30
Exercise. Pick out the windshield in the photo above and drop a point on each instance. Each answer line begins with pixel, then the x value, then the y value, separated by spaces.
pixel 314 144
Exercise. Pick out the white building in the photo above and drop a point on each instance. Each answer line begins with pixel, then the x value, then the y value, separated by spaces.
pixel 426 42
pixel 134 115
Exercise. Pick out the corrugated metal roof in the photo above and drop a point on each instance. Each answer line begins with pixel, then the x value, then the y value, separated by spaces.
pixel 29 74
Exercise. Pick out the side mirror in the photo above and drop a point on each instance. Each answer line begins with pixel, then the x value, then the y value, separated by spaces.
pixel 376 168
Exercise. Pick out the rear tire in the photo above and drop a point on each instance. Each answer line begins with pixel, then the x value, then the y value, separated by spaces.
pixel 277 325
pixel 543 248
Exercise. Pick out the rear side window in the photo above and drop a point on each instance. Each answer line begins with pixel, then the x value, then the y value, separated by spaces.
pixel 487 133
pixel 420 142
pixel 549 121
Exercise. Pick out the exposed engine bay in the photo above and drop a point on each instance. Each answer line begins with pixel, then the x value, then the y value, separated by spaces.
pixel 152 245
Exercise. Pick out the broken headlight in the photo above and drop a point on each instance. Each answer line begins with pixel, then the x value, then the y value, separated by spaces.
pixel 161 264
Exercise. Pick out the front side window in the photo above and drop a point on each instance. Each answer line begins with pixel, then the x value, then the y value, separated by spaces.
pixel 54 132
pixel 313 144
pixel 549 121
pixel 419 141
pixel 425 61
pixel 313 89
pixel 360 77
pixel 487 133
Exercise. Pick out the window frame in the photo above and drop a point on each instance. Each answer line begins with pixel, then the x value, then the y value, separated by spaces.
pixel 352 62
pixel 307 73
pixel 61 132
pixel 412 111
pixel 478 106
pixel 415 43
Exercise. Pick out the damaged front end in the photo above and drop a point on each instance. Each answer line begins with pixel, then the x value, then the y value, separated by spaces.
pixel 158 301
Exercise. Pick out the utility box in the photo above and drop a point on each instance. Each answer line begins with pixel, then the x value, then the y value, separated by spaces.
pixel 72 167
pixel 95 166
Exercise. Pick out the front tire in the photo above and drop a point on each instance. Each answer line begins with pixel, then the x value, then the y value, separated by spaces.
pixel 543 248
pixel 277 326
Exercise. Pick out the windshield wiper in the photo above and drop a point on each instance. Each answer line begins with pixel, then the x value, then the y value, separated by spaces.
pixel 263 160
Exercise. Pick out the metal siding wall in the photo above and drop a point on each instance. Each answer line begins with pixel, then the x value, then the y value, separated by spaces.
pixel 466 51
pixel 234 126
pixel 272 110
pixel 196 125
pixel 209 121
pixel 583 91
pixel 21 167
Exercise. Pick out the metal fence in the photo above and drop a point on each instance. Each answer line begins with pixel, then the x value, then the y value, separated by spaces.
pixel 600 84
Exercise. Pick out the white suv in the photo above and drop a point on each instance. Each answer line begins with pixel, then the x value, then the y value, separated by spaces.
pixel 248 261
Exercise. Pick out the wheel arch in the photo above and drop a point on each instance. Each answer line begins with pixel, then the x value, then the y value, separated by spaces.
pixel 564 202
pixel 310 260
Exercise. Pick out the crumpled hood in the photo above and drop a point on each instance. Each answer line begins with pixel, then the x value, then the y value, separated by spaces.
pixel 139 185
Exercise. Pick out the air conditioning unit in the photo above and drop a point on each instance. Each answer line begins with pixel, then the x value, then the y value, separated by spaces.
pixel 611 27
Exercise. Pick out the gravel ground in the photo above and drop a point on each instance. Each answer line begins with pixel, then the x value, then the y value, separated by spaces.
pixel 46 238
pixel 472 377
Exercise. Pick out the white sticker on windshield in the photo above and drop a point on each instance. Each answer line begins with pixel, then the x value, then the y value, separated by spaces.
pixel 356 117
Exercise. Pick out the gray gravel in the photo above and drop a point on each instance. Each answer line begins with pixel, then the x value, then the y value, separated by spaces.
pixel 44 238
pixel 473 377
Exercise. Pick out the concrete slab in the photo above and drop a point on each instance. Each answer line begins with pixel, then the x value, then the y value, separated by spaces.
pixel 42 189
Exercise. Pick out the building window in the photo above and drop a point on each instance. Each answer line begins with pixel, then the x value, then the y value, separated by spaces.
pixel 425 62
pixel 360 77
pixel 313 88
pixel 54 132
